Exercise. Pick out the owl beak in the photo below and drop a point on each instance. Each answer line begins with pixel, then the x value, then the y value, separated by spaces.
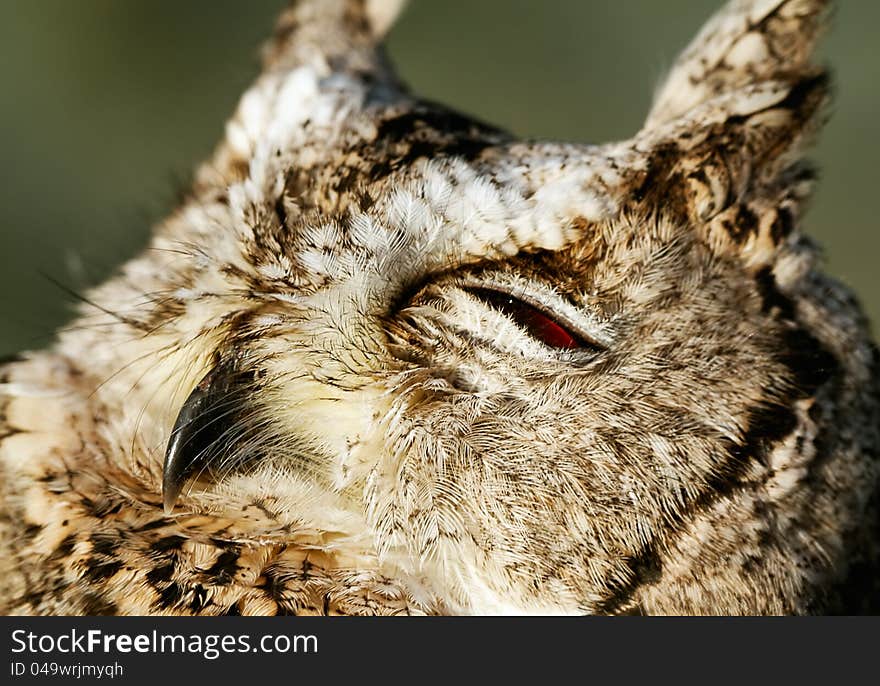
pixel 203 429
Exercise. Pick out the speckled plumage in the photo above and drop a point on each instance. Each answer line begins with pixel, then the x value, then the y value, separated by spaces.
pixel 387 438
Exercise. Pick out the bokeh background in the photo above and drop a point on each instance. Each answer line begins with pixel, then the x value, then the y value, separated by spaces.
pixel 107 105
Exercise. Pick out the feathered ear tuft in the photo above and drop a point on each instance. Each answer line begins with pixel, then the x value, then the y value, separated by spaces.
pixel 749 42
pixel 342 33
pixel 723 143
pixel 321 67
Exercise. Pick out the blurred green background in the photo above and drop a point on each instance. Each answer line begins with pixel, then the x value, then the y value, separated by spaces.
pixel 107 105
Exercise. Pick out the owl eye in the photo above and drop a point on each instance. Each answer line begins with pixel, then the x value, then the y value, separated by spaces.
pixel 539 324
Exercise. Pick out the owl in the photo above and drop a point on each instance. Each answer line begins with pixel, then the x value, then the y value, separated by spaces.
pixel 388 359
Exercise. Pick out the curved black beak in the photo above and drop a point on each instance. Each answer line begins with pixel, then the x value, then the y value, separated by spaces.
pixel 205 428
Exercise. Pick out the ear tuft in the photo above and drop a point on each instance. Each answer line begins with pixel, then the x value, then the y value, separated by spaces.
pixel 748 42
pixel 309 31
pixel 383 14
pixel 733 145
pixel 730 125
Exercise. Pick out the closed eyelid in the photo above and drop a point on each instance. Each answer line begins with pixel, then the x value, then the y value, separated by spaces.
pixel 586 325
pixel 539 323
pixel 532 303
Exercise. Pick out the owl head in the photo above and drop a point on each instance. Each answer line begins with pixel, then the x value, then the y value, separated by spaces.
pixel 517 376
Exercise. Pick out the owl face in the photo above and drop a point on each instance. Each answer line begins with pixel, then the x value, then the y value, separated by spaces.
pixel 534 377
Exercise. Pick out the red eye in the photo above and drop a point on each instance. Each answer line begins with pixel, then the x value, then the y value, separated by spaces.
pixel 530 318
